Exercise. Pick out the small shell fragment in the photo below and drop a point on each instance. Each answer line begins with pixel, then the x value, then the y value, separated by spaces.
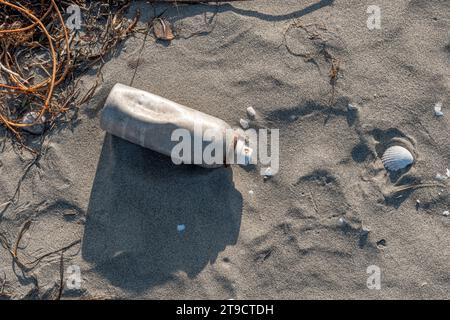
pixel 365 231
pixel 244 124
pixel 438 109
pixel 396 158
pixel 251 112
pixel 37 126
pixel 440 177
pixel 268 172
pixel 162 29
pixel 352 107
pixel 342 222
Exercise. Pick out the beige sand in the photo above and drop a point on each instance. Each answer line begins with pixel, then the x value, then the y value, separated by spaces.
pixel 285 240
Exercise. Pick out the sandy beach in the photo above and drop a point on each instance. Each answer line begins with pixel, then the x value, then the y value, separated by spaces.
pixel 110 209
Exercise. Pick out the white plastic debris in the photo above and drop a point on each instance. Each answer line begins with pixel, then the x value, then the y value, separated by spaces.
pixel 244 124
pixel 251 112
pixel 438 109
pixel 37 126
pixel 181 227
pixel 446 213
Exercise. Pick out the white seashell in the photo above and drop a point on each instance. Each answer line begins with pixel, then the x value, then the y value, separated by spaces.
pixel 251 112
pixel 244 123
pixel 38 127
pixel 397 158
pixel 438 109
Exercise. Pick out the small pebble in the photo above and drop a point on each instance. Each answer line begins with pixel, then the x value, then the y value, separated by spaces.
pixel 244 123
pixel 352 107
pixel 381 243
pixel 251 192
pixel 438 109
pixel 446 213
pixel 440 177
pixel 38 127
pixel 251 112
pixel 365 230
pixel 268 173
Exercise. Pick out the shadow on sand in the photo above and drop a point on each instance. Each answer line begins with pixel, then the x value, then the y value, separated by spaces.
pixel 137 201
pixel 183 11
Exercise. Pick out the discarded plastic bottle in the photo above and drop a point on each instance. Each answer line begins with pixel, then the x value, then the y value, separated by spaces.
pixel 150 121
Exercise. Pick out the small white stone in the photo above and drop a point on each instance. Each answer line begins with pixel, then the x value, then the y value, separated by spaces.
pixel 418 201
pixel 446 213
pixel 365 230
pixel 38 126
pixel 342 221
pixel 268 172
pixel 244 123
pixel 251 112
pixel 251 192
pixel 438 109
pixel 448 173
pixel 440 177
pixel 352 107
pixel 181 227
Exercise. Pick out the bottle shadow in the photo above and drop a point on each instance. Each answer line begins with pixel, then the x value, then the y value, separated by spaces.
pixel 139 203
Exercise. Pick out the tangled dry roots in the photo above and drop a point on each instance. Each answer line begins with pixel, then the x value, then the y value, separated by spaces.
pixel 39 55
